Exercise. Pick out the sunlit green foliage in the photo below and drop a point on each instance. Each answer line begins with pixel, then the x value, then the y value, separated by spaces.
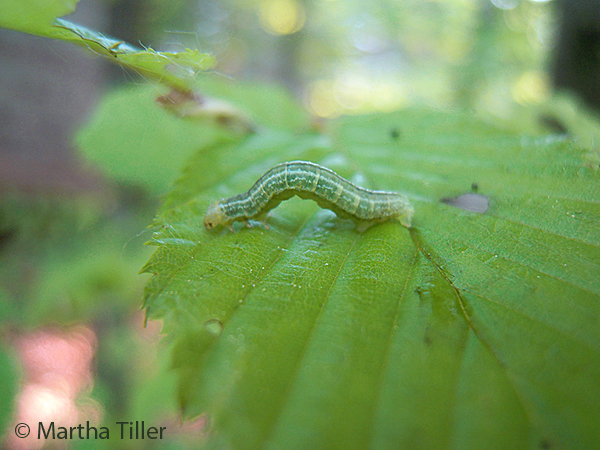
pixel 467 331
pixel 42 18
pixel 152 148
pixel 470 330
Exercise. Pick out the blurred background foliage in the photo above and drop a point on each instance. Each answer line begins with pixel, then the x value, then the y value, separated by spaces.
pixel 85 155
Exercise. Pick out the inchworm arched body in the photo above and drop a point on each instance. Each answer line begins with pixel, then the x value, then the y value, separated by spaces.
pixel 310 181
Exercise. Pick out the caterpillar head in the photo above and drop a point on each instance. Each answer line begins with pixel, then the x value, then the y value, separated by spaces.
pixel 215 216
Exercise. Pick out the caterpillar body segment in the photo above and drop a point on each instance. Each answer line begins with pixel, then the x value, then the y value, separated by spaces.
pixel 310 181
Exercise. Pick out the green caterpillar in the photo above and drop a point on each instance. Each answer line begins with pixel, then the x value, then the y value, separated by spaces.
pixel 310 181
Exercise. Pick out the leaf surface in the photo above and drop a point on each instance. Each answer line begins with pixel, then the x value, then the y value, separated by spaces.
pixel 176 69
pixel 42 18
pixel 469 330
pixel 136 142
pixel 33 16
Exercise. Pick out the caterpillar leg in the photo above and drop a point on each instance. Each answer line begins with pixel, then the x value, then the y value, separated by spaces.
pixel 261 219
pixel 361 227
pixel 261 223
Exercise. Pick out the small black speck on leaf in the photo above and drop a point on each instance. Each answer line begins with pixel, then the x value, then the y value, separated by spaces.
pixel 395 134
pixel 474 187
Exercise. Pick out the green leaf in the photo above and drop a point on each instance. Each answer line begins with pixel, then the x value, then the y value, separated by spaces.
pixel 41 17
pixel 172 69
pixel 136 142
pixel 470 330
pixel 270 105
pixel 33 16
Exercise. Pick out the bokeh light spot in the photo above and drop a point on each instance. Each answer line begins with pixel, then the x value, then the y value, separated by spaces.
pixel 321 101
pixel 388 96
pixel 282 16
pixel 351 90
pixel 506 4
pixel 531 88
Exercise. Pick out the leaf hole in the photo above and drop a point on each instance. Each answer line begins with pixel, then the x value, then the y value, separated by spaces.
pixel 214 326
pixel 469 202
